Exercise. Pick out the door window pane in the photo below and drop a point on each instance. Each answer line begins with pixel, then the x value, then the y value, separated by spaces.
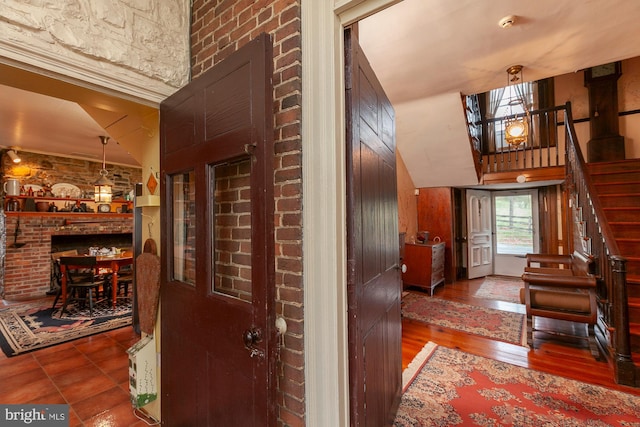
pixel 231 218
pixel 514 224
pixel 184 227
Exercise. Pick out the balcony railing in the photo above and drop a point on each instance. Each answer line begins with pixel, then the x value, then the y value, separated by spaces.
pixel 543 147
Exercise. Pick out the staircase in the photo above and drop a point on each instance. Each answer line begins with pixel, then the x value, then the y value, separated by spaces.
pixel 618 187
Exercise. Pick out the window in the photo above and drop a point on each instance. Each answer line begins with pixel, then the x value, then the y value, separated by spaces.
pixel 504 102
pixel 514 224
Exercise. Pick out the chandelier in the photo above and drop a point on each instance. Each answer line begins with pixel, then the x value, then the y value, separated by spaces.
pixel 516 127
pixel 102 187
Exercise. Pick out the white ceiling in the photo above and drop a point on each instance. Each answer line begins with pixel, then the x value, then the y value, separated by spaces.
pixel 428 52
pixel 424 52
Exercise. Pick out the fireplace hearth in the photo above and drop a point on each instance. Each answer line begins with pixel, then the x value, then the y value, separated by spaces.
pixel 83 242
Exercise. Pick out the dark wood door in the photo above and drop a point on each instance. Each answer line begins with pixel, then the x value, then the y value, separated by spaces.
pixel 217 294
pixel 373 283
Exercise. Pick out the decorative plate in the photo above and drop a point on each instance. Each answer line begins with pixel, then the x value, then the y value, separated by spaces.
pixel 63 190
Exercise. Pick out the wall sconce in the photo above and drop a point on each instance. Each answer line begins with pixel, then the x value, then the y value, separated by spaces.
pixel 13 156
pixel 516 129
pixel 102 187
pixel 521 179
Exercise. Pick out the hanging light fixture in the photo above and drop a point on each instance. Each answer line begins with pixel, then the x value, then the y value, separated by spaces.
pixel 102 187
pixel 516 128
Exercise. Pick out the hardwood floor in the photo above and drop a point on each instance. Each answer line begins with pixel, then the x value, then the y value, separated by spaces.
pixel 91 373
pixel 559 355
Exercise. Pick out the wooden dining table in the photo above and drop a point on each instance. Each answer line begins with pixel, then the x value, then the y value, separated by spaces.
pixel 111 262
pixel 114 263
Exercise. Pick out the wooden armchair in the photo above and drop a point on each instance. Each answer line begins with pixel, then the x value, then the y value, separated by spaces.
pixel 564 294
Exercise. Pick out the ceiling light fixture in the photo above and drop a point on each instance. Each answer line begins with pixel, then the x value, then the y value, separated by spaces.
pixel 13 156
pixel 102 187
pixel 516 129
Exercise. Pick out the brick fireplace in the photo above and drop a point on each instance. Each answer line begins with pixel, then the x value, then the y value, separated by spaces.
pixel 27 271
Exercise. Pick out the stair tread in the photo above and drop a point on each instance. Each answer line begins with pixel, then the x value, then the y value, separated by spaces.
pixel 623 207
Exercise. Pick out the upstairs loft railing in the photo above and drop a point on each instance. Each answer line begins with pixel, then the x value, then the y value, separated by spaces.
pixel 543 147
pixel 598 241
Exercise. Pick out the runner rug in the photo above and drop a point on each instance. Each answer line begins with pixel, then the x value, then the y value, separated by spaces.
pixel 36 325
pixel 451 387
pixel 487 322
pixel 500 288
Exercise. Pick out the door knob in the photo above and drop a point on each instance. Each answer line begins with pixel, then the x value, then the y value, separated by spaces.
pixel 251 337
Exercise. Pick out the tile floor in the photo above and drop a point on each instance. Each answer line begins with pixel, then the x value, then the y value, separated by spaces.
pixel 90 374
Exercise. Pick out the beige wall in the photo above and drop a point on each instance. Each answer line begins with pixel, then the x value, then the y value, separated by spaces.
pixel 407 200
pixel 570 87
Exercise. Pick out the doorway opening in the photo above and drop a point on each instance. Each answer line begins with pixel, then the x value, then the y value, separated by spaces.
pixel 502 227
pixel 515 230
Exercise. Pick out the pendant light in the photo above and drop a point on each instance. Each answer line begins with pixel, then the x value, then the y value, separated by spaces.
pixel 102 187
pixel 516 128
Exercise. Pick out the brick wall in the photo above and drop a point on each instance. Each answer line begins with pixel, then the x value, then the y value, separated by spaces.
pixel 28 268
pixel 218 29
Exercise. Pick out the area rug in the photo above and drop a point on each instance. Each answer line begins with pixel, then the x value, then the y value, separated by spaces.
pixel 35 325
pixel 487 322
pixel 457 388
pixel 500 288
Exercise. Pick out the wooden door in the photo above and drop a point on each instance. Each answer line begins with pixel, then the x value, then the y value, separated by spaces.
pixel 217 285
pixel 373 283
pixel 479 241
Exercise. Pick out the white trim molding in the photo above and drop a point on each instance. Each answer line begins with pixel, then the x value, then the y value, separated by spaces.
pixel 324 214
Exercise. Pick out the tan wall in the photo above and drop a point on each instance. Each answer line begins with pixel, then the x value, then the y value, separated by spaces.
pixel 570 87
pixel 407 201
pixel 219 29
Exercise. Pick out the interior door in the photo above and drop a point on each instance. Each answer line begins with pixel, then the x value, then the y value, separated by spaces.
pixel 374 286
pixel 479 242
pixel 217 285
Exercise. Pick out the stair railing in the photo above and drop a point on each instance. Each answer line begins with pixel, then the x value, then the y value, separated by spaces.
pixel 610 265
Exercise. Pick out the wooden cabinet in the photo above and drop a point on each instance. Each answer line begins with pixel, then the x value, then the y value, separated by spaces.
pixel 424 265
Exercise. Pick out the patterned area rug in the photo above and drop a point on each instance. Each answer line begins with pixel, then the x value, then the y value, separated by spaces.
pixel 487 322
pixel 457 388
pixel 500 288
pixel 36 325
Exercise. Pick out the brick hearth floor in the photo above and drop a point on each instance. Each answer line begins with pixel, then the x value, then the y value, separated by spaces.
pixel 90 374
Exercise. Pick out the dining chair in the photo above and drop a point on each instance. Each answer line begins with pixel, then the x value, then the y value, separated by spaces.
pixel 56 275
pixel 125 277
pixel 82 280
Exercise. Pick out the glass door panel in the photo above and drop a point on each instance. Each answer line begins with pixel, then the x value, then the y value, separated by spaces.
pixel 184 227
pixel 231 220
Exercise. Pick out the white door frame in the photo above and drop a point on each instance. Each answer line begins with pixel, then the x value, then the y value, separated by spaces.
pixel 324 214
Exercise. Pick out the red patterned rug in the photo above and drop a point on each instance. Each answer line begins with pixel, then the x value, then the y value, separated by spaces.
pixel 487 322
pixel 457 388
pixel 500 288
